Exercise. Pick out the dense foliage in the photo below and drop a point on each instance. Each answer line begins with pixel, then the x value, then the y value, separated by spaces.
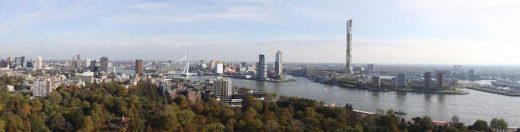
pixel 101 107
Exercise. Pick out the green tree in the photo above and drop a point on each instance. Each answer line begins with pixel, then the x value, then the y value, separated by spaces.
pixel 87 125
pixel 498 124
pixel 185 117
pixel 480 125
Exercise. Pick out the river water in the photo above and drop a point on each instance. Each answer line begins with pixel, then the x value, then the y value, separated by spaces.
pixel 469 108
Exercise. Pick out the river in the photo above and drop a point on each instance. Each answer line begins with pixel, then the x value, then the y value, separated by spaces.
pixel 469 108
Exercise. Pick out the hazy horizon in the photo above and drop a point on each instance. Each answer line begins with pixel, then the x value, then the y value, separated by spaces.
pixel 466 32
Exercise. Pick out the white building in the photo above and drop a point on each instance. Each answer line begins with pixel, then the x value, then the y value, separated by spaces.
pixel 220 68
pixel 223 89
pixel 86 63
pixel 39 63
pixel 41 88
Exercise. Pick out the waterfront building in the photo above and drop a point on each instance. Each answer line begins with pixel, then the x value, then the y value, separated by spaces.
pixel 401 80
pixel 104 64
pixel 348 68
pixel 261 67
pixel 219 69
pixel 223 89
pixel 472 74
pixel 428 79
pixel 376 81
pixel 440 78
pixel 279 64
pixel 371 68
pixel 39 63
pixel 139 67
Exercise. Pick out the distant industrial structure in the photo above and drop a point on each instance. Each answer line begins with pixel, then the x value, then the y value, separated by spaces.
pixel 348 68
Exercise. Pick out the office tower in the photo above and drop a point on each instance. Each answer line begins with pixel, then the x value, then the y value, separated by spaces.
pixel 219 68
pixel 139 67
pixel 29 64
pixel 93 66
pixel 223 89
pixel 19 62
pixel 348 68
pixel 401 80
pixel 9 61
pixel 261 68
pixel 371 68
pixel 440 78
pixel 427 79
pixel 472 74
pixel 86 62
pixel 104 64
pixel 39 63
pixel 278 64
pixel 376 81
pixel 203 65
pixel 3 64
pixel 76 61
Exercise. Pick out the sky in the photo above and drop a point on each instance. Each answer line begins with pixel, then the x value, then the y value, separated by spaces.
pixel 313 31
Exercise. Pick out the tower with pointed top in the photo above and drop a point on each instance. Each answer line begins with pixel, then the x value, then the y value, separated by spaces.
pixel 348 68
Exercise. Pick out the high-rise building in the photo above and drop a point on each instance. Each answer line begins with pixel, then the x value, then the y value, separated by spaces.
pixel 348 68
pixel 93 65
pixel 428 79
pixel 3 64
pixel 9 61
pixel 223 89
pixel 39 63
pixel 203 65
pixel 376 81
pixel 219 69
pixel 261 67
pixel 104 64
pixel 139 67
pixel 86 63
pixel 371 68
pixel 76 61
pixel 19 62
pixel 401 80
pixel 472 74
pixel 278 64
pixel 29 64
pixel 440 78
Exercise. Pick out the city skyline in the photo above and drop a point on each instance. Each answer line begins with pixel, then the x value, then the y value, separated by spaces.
pixel 386 32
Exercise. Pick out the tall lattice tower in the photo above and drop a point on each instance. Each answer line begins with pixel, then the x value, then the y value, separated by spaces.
pixel 348 68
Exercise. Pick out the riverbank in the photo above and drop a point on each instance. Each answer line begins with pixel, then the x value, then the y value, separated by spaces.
pixel 415 104
pixel 495 91
pixel 388 89
pixel 254 79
